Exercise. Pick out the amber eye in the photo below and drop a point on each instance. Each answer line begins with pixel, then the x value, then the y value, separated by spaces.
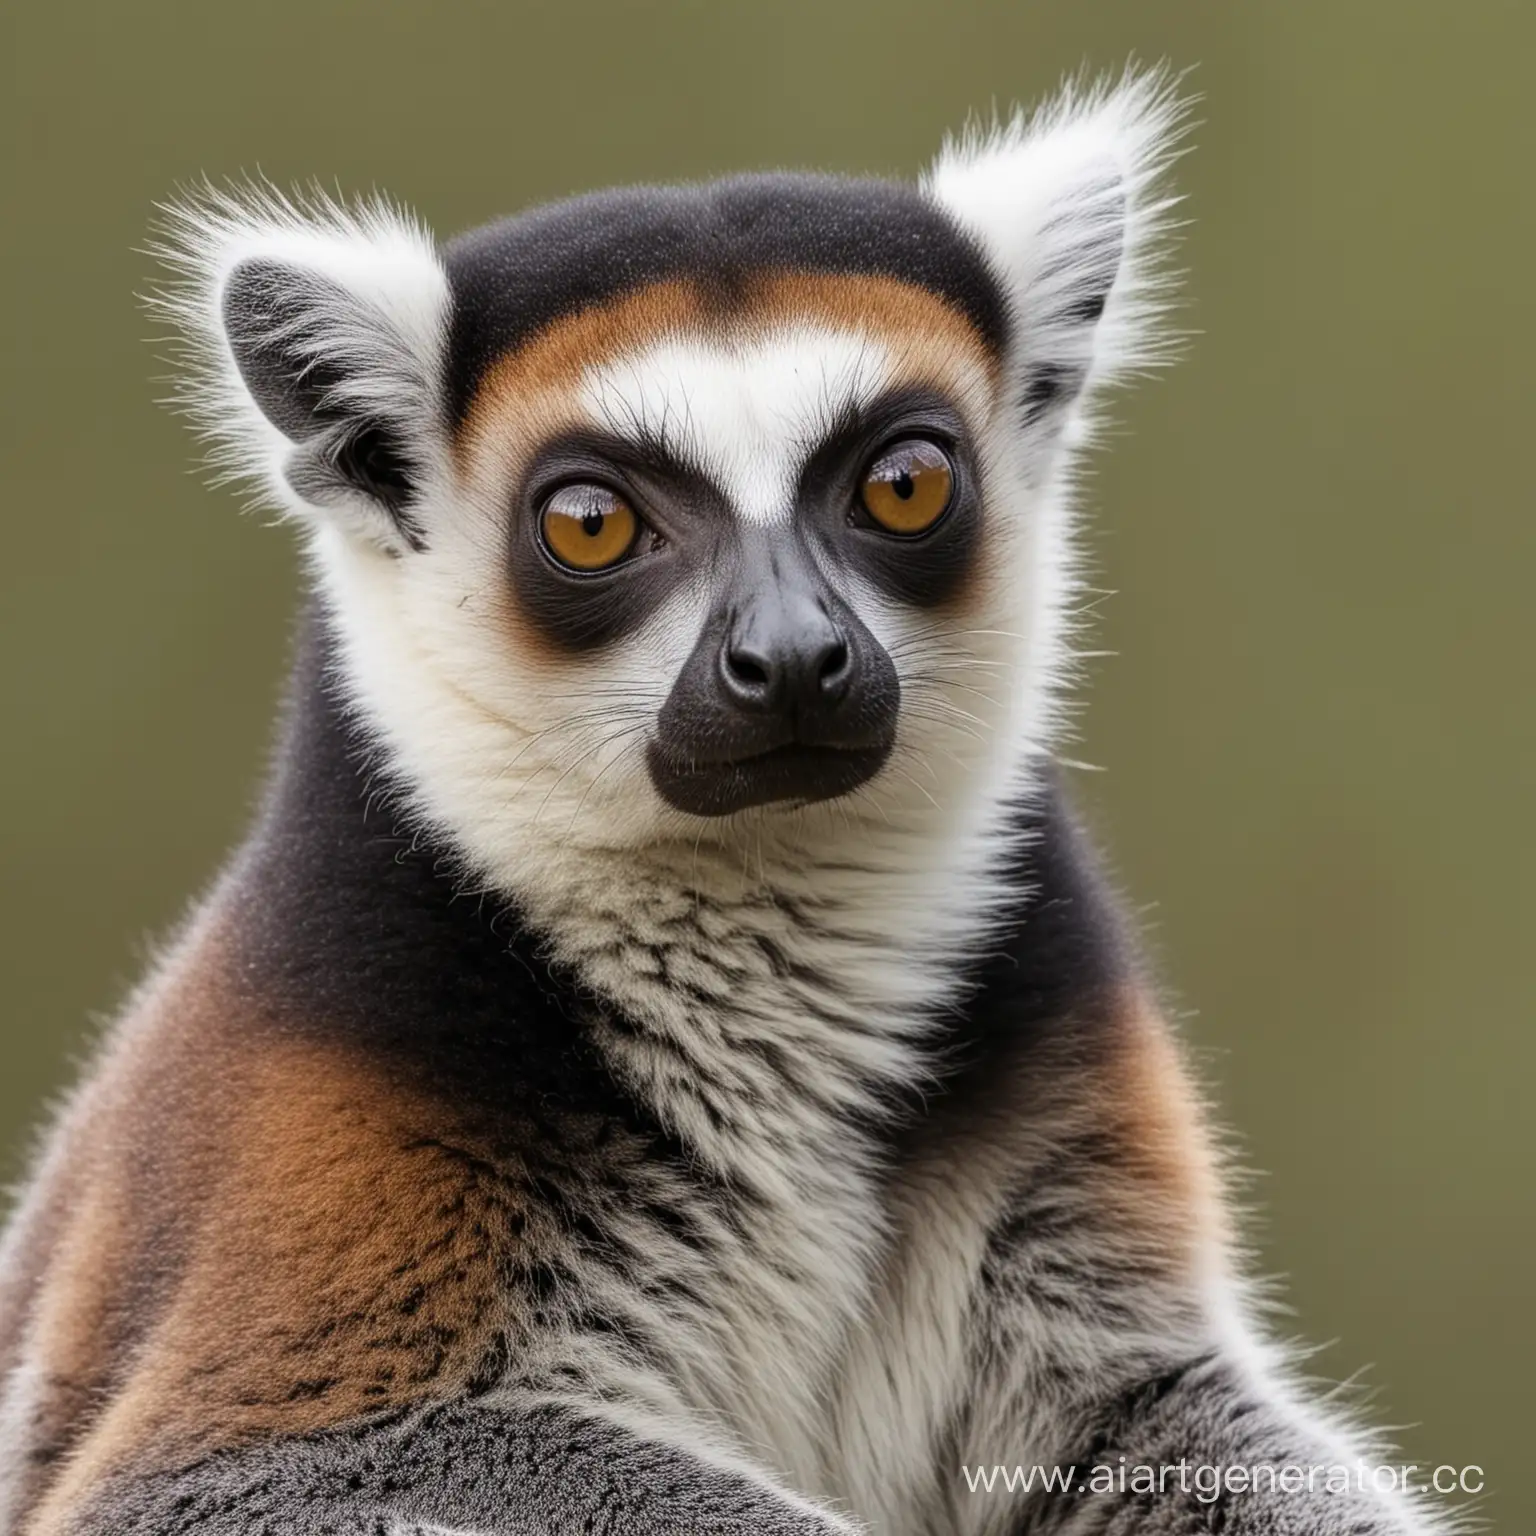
pixel 908 488
pixel 588 527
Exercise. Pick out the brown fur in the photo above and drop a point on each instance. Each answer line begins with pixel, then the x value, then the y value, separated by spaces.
pixel 521 395
pixel 1167 1176
pixel 324 1249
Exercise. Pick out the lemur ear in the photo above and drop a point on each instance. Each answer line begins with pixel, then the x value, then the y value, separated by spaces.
pixel 1065 205
pixel 313 341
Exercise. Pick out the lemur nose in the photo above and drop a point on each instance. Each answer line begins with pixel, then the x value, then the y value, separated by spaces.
pixel 788 670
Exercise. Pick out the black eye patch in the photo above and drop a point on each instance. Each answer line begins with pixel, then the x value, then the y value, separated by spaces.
pixel 687 523
pixel 925 569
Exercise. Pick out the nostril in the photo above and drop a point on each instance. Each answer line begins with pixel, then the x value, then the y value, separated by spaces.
pixel 834 663
pixel 746 668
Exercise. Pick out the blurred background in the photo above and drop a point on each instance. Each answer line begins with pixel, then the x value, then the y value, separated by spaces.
pixel 1318 532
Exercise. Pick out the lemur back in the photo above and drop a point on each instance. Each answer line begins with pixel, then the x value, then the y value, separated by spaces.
pixel 664 1058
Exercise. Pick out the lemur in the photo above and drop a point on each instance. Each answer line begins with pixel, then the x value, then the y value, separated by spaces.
pixel 664 1059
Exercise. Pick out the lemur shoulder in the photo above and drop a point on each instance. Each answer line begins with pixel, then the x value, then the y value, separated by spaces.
pixel 663 1059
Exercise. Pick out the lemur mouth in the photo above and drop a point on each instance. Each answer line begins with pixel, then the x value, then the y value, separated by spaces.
pixel 786 697
pixel 795 773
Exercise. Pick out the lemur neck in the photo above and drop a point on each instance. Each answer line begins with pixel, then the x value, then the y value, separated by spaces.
pixel 840 975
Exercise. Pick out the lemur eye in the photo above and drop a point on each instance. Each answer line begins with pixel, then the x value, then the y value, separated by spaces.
pixel 588 527
pixel 908 488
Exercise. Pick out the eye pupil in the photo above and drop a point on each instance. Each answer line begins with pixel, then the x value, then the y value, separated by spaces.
pixel 907 490
pixel 589 528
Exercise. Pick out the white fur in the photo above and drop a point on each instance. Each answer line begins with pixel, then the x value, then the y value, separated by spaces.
pixel 742 414
pixel 1043 191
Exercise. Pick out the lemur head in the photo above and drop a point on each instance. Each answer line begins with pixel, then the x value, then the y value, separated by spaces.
pixel 657 511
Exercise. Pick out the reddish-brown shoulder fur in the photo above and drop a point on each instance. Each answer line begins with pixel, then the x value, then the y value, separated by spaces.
pixel 239 1242
pixel 1114 1082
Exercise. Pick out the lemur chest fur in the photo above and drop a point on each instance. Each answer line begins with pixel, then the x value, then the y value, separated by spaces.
pixel 871 1066
pixel 785 1036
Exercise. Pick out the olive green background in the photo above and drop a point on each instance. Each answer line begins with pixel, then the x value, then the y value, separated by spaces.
pixel 1318 530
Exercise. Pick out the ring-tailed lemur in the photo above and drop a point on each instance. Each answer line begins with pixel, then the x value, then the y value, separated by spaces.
pixel 664 1060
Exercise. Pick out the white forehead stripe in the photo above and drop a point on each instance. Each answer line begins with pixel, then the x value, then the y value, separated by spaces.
pixel 748 412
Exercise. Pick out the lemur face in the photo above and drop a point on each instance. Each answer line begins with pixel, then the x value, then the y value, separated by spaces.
pixel 744 489
pixel 651 511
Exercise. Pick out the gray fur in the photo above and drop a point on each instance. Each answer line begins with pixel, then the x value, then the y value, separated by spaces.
pixel 538 1471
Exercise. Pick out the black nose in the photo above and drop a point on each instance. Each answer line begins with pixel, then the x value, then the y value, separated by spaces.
pixel 790 663
pixel 800 671
pixel 786 695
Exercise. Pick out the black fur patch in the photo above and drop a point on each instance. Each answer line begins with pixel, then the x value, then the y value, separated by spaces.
pixel 688 531
pixel 510 279
pixel 1047 980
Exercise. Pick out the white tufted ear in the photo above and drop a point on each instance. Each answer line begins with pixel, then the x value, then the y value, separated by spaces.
pixel 313 338
pixel 1065 203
